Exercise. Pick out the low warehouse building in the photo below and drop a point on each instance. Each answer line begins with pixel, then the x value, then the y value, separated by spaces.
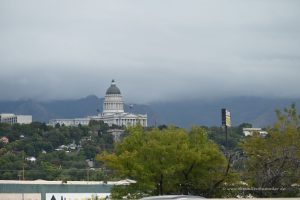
pixel 56 190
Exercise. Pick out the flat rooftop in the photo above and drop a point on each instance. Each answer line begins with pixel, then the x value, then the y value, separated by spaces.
pixel 44 182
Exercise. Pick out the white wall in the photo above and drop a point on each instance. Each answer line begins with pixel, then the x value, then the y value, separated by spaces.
pixel 24 119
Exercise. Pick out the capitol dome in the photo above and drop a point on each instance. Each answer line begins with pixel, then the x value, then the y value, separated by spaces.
pixel 113 89
pixel 113 102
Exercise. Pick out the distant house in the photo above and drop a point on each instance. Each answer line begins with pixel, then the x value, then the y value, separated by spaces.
pixel 90 163
pixel 31 159
pixel 61 148
pixel 67 148
pixel 72 146
pixel 4 140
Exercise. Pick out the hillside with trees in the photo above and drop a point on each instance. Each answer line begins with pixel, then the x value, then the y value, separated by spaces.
pixel 38 151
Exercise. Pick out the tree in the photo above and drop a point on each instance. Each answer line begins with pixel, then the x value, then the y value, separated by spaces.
pixel 168 161
pixel 235 134
pixel 90 151
pixel 274 161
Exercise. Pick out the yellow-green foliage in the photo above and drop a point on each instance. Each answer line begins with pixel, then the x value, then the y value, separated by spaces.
pixel 273 161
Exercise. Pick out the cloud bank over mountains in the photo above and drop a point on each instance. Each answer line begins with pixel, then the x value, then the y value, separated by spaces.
pixel 155 50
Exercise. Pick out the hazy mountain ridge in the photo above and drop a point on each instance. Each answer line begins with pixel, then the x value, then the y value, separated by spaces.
pixel 258 111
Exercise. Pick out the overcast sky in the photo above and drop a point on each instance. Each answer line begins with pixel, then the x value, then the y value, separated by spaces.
pixel 155 50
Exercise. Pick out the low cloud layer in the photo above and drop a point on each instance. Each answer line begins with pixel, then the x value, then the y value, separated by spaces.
pixel 156 50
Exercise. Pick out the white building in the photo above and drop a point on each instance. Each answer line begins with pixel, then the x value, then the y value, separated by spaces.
pixel 251 131
pixel 70 122
pixel 31 159
pixel 24 119
pixel 15 119
pixel 113 112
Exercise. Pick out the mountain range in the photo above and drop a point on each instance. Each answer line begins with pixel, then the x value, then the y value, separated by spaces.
pixel 255 110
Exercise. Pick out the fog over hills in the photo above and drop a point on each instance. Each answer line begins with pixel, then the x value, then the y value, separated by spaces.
pixel 255 110
pixel 156 51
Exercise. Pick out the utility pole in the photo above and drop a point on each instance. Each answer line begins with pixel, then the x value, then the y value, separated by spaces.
pixel 87 174
pixel 23 171
pixel 226 122
pixel 226 137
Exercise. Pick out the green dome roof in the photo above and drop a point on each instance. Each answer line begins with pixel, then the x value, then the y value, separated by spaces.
pixel 113 89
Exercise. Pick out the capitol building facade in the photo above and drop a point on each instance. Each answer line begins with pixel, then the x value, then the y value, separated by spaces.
pixel 113 112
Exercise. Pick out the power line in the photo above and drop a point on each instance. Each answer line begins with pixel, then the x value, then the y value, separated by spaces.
pixel 41 170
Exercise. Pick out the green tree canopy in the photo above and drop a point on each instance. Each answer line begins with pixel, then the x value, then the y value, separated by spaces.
pixel 168 161
pixel 274 161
